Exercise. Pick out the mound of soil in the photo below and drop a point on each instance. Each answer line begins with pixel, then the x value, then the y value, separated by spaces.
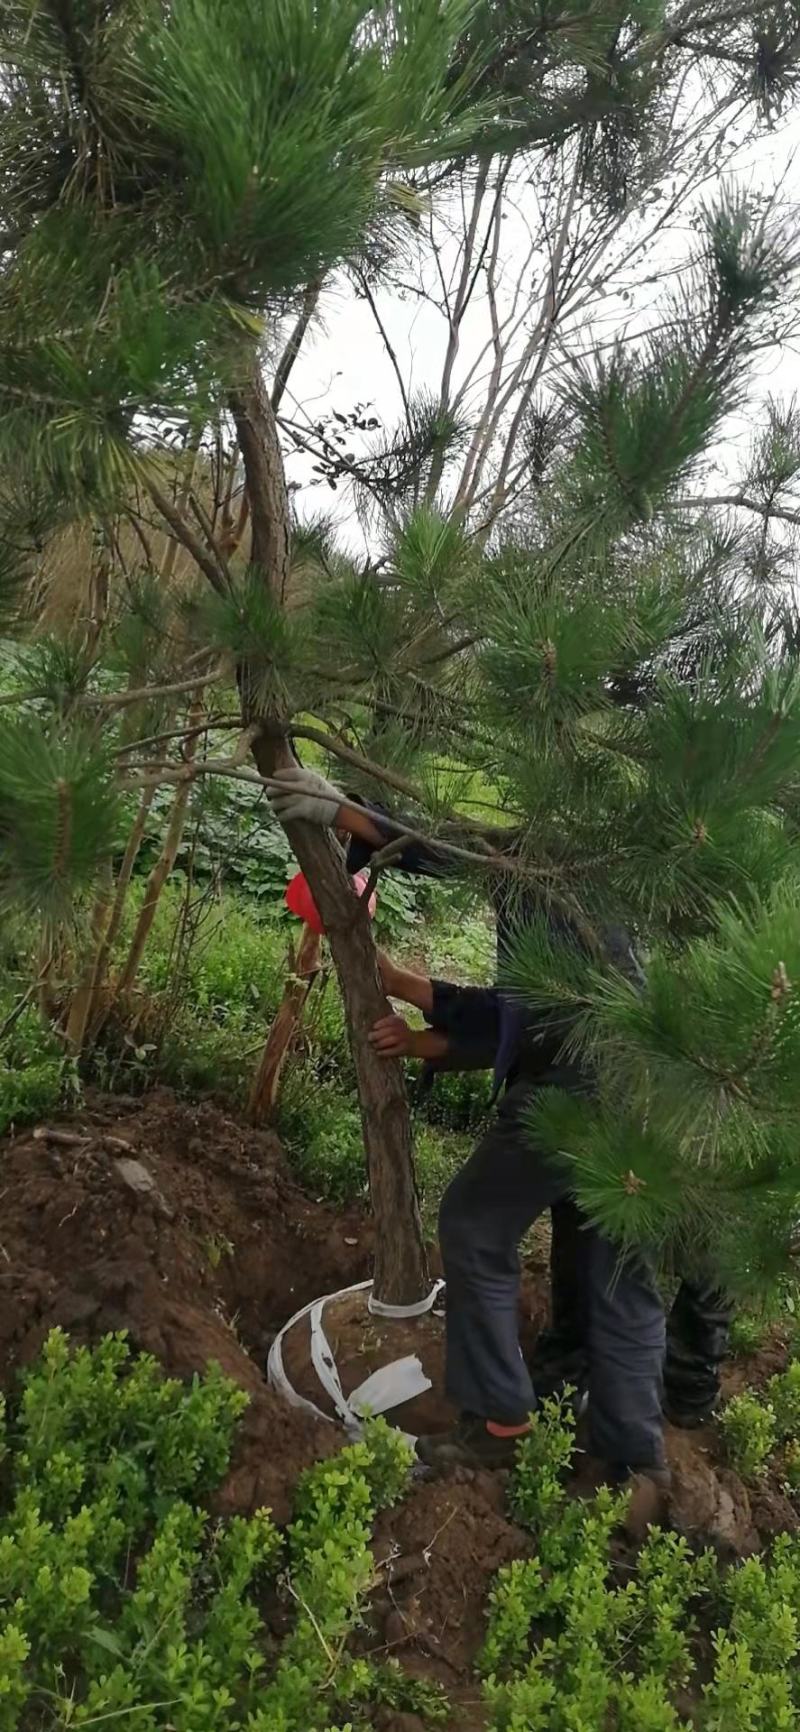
pixel 185 1228
pixel 440 1549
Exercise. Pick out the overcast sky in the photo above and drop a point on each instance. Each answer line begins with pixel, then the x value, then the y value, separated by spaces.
pixel 344 360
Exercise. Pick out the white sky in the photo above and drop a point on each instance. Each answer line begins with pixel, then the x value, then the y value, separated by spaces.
pixel 344 360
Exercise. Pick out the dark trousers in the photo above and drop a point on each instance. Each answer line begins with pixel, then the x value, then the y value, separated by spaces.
pixel 698 1326
pixel 498 1194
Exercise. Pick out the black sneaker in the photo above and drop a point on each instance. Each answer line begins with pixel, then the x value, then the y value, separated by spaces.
pixel 467 1444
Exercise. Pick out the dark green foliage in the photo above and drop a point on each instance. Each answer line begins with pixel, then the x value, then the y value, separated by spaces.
pixel 231 838
pixel 59 816
pixel 640 718
pixel 694 1133
pixel 167 179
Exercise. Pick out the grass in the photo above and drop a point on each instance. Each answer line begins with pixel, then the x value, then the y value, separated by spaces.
pixel 197 1022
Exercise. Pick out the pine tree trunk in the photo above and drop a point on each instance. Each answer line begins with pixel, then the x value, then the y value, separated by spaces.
pixel 90 1008
pixel 266 1082
pixel 401 1274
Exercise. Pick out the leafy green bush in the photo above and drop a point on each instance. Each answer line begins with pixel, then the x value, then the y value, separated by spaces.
pixel 237 960
pixel 577 1644
pixel 458 1099
pixel 120 1601
pixel 543 1458
pixel 747 1333
pixel 320 1126
pixel 231 836
pixel 749 1432
pixel 783 1395
pixel 31 1069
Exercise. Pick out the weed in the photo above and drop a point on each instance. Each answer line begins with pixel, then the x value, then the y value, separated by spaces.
pixel 31 1069
pixel 747 1333
pixel 783 1395
pixel 216 1246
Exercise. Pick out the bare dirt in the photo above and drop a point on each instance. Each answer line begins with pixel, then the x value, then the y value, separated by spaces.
pixel 185 1227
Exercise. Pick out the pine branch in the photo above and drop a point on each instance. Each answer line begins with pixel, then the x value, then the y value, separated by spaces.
pixel 205 559
pixel 738 500
pixel 294 345
pixel 167 774
pixel 357 761
pixel 146 694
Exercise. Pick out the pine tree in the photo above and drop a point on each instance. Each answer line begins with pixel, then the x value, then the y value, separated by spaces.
pixel 627 679
pixel 172 178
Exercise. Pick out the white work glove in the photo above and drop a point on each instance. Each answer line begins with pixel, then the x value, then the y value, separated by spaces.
pixel 298 795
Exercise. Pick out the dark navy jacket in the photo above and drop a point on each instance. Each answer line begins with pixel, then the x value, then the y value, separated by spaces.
pixel 487 1028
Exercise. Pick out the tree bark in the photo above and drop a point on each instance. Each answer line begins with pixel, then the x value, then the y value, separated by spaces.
pixel 401 1274
pixel 266 1082
pixel 401 1271
pixel 266 483
pixel 83 996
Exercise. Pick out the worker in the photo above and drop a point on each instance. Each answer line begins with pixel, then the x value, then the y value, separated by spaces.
pixel 698 1325
pixel 504 1187
pixel 499 1193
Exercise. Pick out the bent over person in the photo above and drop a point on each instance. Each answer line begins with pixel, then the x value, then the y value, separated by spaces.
pixel 699 1321
pixel 497 1196
pixel 504 1187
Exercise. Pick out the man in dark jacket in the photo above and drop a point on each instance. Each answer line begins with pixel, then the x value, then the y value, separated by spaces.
pixel 495 1197
pixel 699 1320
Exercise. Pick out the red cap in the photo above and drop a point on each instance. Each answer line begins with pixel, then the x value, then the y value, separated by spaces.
pixel 300 901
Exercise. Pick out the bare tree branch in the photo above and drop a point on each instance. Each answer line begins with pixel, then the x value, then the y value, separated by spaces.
pixel 182 531
pixel 295 343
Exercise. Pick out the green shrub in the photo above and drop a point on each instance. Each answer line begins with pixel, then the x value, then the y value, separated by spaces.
pixel 458 1099
pixel 29 1094
pixel 31 1069
pixel 237 960
pixel 579 1643
pixel 231 836
pixel 747 1332
pixel 120 1601
pixel 320 1127
pixel 438 1155
pixel 749 1432
pixel 543 1459
pixel 790 1465
pixel 783 1395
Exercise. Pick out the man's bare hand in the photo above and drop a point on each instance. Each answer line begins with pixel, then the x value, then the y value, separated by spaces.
pixel 392 1038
